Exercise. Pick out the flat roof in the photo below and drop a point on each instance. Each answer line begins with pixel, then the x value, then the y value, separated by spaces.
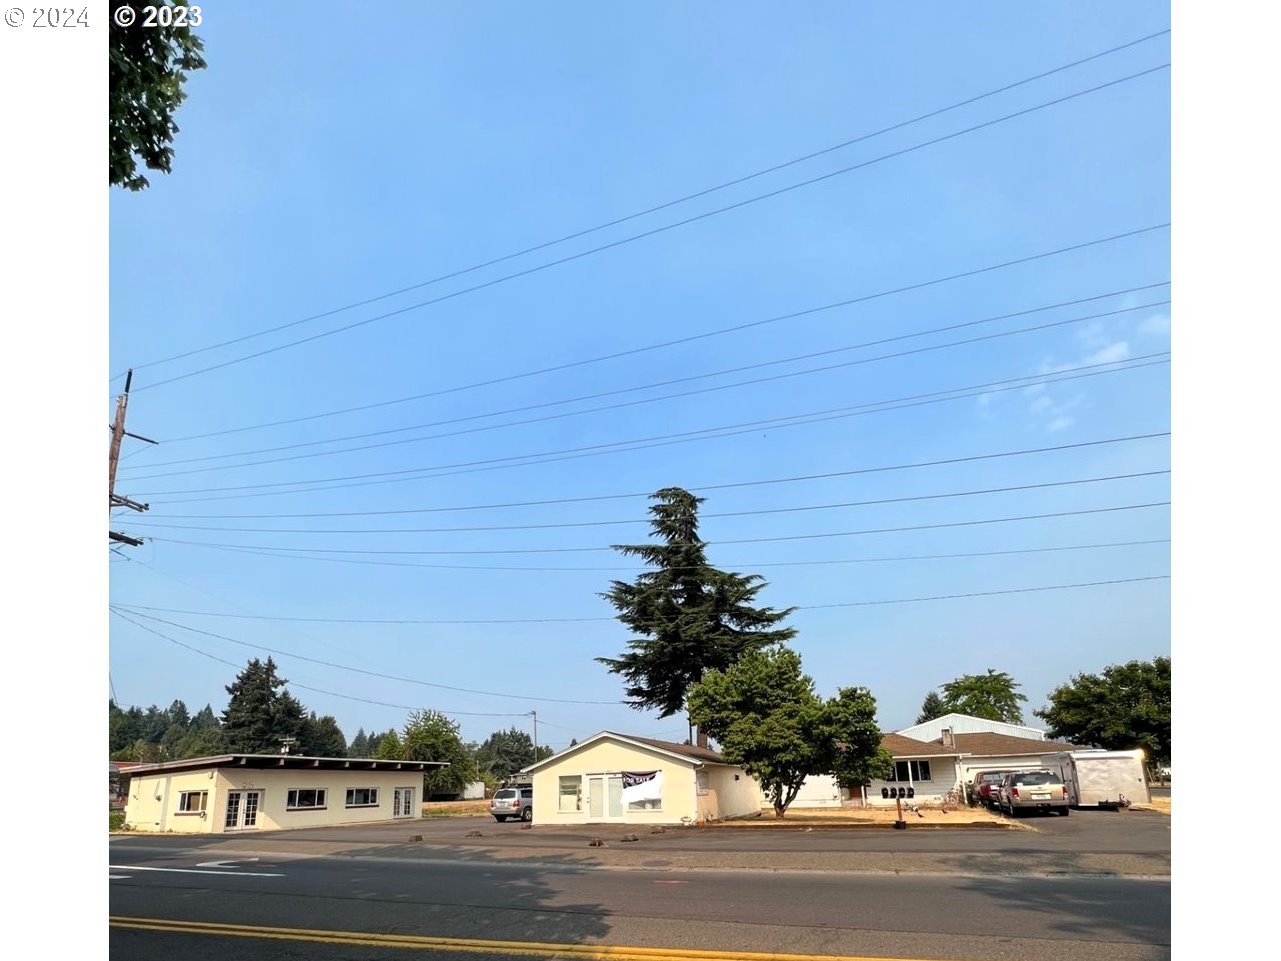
pixel 294 762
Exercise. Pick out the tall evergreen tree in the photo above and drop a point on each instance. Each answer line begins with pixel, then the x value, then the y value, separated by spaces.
pixel 179 715
pixel 321 737
pixel 359 746
pixel 506 752
pixel 932 707
pixel 691 618
pixel 261 714
pixel 205 718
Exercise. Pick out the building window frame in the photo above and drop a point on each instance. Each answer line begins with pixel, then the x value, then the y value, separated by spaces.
pixel 362 797
pixel 193 802
pixel 910 772
pixel 306 799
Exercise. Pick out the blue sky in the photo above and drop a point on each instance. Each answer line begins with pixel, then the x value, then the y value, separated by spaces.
pixel 339 160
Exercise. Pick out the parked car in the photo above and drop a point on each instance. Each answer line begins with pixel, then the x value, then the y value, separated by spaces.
pixel 985 785
pixel 512 802
pixel 1033 791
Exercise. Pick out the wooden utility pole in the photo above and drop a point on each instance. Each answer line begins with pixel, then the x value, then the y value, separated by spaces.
pixel 118 434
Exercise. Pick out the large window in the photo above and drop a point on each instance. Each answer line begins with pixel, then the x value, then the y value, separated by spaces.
pixel 302 799
pixel 192 802
pixel 571 794
pixel 643 790
pixel 913 771
pixel 362 797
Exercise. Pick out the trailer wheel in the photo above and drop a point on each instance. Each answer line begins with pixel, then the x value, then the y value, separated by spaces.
pixel 1065 810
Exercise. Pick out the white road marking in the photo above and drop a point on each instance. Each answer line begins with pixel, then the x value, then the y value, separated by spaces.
pixel 234 874
pixel 118 877
pixel 223 864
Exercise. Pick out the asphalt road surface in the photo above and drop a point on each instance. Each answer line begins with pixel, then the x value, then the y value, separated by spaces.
pixel 197 899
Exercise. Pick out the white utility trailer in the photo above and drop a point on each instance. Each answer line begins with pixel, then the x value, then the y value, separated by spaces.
pixel 1102 778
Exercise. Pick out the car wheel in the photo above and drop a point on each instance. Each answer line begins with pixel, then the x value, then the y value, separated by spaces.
pixel 500 818
pixel 1065 810
pixel 527 814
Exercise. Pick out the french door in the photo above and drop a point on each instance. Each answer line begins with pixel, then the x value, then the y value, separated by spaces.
pixel 402 802
pixel 605 797
pixel 242 810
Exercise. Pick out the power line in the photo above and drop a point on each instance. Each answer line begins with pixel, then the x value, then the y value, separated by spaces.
pixel 580 620
pixel 136 611
pixel 671 382
pixel 663 206
pixel 268 552
pixel 611 523
pixel 681 223
pixel 698 488
pixel 304 687
pixel 744 540
pixel 705 433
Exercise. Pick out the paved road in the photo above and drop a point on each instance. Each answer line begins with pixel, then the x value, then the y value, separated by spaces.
pixel 1058 884
pixel 945 917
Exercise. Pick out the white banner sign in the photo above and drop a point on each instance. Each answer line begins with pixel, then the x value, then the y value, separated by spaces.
pixel 642 786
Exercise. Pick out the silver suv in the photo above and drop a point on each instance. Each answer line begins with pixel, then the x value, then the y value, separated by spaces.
pixel 513 802
pixel 1032 791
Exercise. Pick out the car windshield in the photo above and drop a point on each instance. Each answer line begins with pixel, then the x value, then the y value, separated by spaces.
pixel 1038 778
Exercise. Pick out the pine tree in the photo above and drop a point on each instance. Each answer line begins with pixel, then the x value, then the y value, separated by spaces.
pixel 691 617
pixel 932 707
pixel 359 746
pixel 261 714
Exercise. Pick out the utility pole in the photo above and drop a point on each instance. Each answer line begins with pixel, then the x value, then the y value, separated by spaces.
pixel 534 715
pixel 118 434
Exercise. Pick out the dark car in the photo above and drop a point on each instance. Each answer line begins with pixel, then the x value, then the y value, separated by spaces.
pixel 1033 791
pixel 513 802
pixel 985 785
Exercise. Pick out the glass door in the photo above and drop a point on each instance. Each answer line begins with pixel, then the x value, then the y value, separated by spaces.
pixel 242 810
pixel 402 803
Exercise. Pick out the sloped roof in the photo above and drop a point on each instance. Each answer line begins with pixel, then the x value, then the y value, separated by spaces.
pixel 1003 745
pixel 900 746
pixel 683 752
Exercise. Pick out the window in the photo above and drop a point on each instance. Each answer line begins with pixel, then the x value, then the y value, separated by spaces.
pixel 303 798
pixel 571 794
pixel 700 780
pixel 362 797
pixel 192 802
pixel 912 771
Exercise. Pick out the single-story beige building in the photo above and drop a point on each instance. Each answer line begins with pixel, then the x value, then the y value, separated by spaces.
pixel 268 792
pixel 622 779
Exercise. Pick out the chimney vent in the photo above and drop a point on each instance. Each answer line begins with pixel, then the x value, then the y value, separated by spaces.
pixel 947 738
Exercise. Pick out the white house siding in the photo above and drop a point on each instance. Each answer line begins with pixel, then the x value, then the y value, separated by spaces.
pixel 944 776
pixel 817 791
pixel 154 798
pixel 731 793
pixel 604 758
pixel 964 724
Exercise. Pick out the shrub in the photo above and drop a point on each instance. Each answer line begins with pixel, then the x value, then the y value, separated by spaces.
pixel 117 821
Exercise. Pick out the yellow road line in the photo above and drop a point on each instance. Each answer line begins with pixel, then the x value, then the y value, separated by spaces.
pixel 603 952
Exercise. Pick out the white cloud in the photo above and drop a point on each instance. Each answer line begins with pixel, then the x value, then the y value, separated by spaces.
pixel 1110 354
pixel 1040 404
pixel 1155 325
pixel 1060 423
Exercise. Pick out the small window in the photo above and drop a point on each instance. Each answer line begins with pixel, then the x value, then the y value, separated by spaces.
pixel 571 794
pixel 912 771
pixel 362 797
pixel 301 799
pixel 192 802
pixel 700 779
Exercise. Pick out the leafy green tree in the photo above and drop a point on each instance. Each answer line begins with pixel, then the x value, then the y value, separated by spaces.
pixel 991 695
pixel 932 707
pixel 389 747
pixel 691 618
pixel 147 70
pixel 506 752
pixel 261 713
pixel 431 736
pixel 767 717
pixel 1125 707
pixel 321 737
pixel 850 728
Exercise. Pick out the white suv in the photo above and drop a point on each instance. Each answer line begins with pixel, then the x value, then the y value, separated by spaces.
pixel 513 802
